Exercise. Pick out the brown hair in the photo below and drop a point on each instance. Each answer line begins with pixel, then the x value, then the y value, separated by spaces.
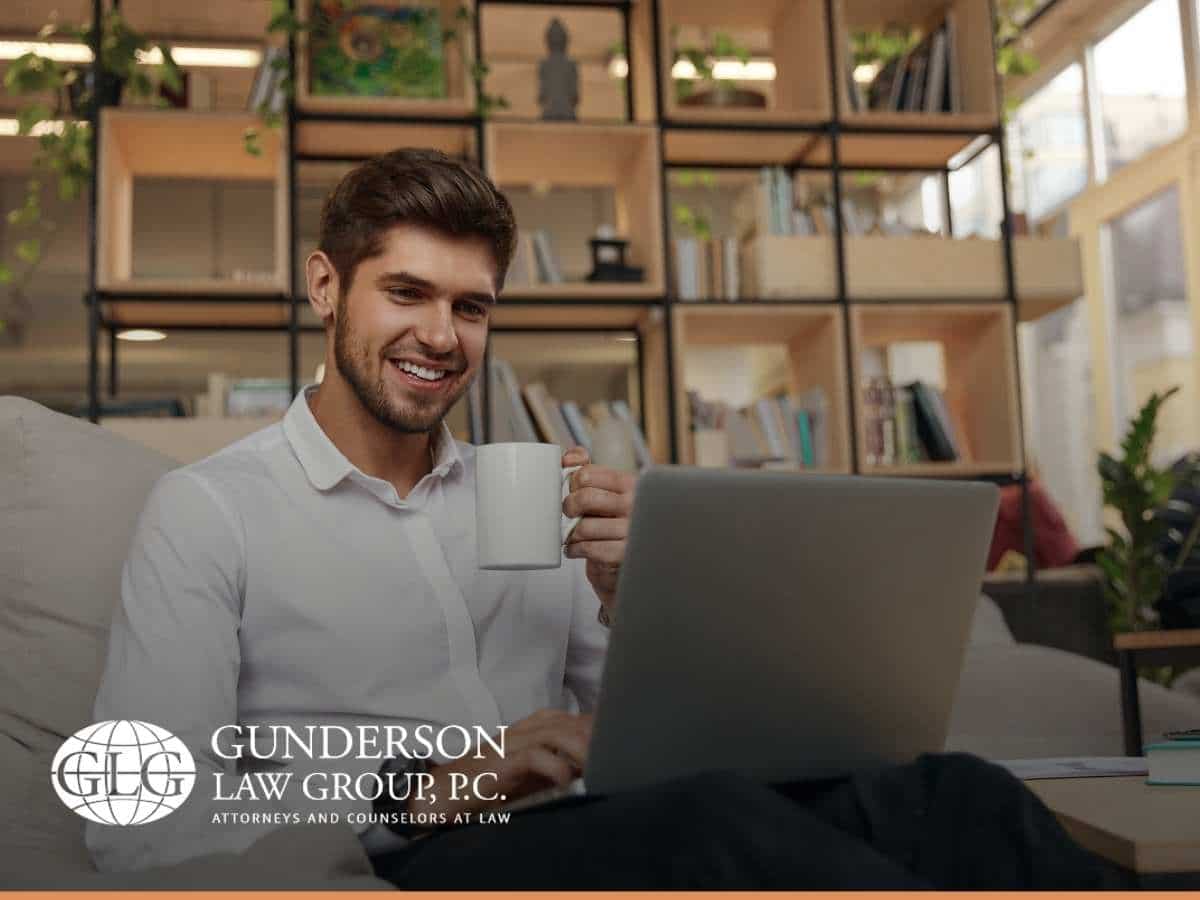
pixel 419 187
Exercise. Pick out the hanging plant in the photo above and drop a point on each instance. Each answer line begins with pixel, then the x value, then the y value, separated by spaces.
pixel 57 99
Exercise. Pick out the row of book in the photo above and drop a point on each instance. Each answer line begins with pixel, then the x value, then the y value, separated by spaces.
pixel 706 269
pixel 783 429
pixel 925 79
pixel 529 413
pixel 243 396
pixel 534 261
pixel 907 424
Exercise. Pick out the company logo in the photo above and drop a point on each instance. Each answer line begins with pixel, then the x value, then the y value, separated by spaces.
pixel 123 772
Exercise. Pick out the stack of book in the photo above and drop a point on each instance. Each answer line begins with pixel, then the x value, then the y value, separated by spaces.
pixel 530 413
pixel 534 261
pixel 906 424
pixel 786 430
pixel 925 79
pixel 706 269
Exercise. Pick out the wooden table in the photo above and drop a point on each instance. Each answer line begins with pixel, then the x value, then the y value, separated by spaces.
pixel 1149 648
pixel 1147 829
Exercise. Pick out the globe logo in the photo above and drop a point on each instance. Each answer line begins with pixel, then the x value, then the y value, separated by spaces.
pixel 123 772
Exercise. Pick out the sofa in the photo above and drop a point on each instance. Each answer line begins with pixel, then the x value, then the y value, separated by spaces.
pixel 70 493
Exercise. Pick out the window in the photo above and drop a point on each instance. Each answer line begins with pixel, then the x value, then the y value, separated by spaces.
pixel 1140 80
pixel 1152 333
pixel 1050 133
pixel 976 204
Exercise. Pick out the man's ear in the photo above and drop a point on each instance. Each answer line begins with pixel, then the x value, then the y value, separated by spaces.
pixel 323 285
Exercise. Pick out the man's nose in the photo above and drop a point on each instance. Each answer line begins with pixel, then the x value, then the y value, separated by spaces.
pixel 435 327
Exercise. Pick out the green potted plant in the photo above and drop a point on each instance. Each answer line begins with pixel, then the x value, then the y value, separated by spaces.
pixel 56 99
pixel 708 89
pixel 1134 488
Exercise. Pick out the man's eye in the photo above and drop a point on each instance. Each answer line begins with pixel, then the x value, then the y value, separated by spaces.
pixel 475 310
pixel 404 293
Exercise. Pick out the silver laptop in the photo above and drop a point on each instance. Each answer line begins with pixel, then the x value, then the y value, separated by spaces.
pixel 786 626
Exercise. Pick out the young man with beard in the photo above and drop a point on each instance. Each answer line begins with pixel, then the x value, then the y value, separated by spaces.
pixel 323 572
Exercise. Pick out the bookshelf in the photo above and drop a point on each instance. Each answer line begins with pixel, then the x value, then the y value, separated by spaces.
pixel 821 302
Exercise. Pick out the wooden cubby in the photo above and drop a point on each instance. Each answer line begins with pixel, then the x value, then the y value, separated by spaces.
pixel 974 68
pixel 980 378
pixel 180 144
pixel 796 33
pixel 813 343
pixel 460 88
pixel 545 155
pixel 514 43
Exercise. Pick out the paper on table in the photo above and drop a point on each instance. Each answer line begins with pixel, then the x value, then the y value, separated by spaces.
pixel 1075 767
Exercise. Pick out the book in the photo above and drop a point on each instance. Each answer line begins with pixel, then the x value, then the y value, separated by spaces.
pixel 731 269
pixel 815 406
pixel 547 262
pixel 769 426
pixel 908 441
pixel 546 414
pixel 935 91
pixel 953 103
pixel 933 423
pixel 266 93
pixel 510 419
pixel 641 451
pixel 1174 762
pixel 580 431
pixel 804 429
pixel 686 268
pixel 523 270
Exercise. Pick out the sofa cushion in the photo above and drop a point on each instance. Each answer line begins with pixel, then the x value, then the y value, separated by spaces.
pixel 1023 701
pixel 988 626
pixel 70 495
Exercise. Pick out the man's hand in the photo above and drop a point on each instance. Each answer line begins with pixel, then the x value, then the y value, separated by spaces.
pixel 604 497
pixel 544 750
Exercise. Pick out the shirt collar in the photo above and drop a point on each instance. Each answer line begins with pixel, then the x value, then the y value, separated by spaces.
pixel 326 465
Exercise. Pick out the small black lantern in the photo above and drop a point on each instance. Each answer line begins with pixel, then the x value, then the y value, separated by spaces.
pixel 608 258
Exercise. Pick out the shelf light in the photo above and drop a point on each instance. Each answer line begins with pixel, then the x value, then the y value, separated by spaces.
pixel 11 127
pixel 866 73
pixel 140 335
pixel 728 69
pixel 627 339
pixel 196 57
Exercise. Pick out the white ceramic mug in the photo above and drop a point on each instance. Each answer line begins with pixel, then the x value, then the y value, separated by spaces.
pixel 519 491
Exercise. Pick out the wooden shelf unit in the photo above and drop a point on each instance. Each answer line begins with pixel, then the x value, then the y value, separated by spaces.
pixel 180 144
pixel 815 348
pixel 800 305
pixel 981 378
pixel 459 101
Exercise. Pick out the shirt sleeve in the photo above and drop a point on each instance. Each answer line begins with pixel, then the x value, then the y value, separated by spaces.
pixel 173 661
pixel 587 642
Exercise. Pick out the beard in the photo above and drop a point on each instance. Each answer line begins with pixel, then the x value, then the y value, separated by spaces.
pixel 357 364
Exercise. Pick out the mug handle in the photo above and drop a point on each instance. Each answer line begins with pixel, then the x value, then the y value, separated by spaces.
pixel 570 524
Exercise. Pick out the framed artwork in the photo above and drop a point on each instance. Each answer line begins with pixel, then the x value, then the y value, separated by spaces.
pixel 376 49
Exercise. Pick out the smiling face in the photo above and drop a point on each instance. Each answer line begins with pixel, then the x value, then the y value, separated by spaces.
pixel 410 332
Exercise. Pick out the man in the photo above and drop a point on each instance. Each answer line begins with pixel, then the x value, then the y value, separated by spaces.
pixel 323 571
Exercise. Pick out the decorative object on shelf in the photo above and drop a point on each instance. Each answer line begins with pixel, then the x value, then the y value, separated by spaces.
pixel 714 91
pixel 376 49
pixel 558 76
pixel 608 258
pixel 64 150
pixel 1134 569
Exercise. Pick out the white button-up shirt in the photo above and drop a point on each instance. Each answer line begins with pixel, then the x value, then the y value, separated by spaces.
pixel 276 583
